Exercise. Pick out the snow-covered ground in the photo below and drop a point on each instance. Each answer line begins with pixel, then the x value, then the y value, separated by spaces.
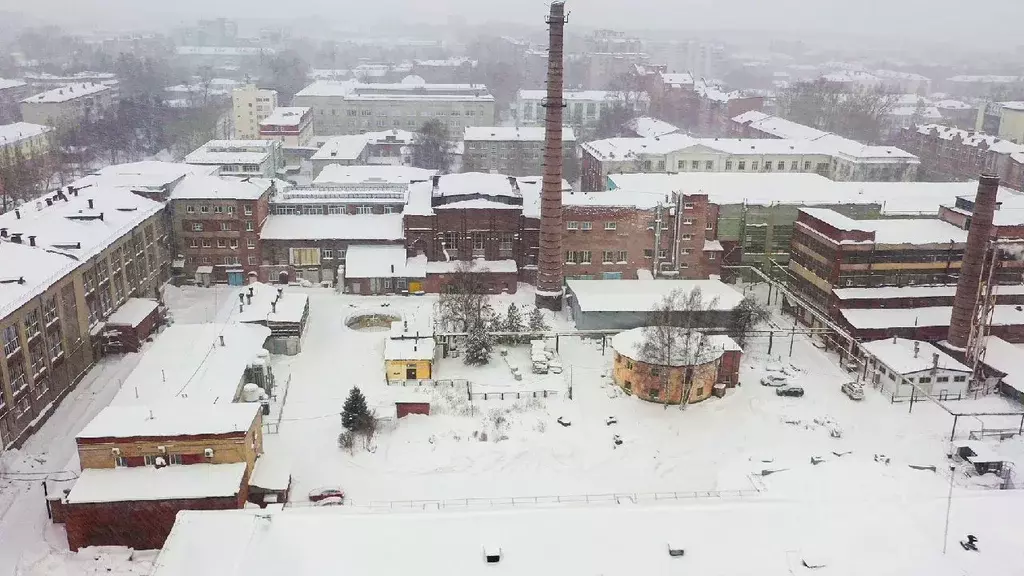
pixel 718 447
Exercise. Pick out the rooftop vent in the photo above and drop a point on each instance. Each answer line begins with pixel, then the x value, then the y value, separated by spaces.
pixel 675 549
pixel 492 554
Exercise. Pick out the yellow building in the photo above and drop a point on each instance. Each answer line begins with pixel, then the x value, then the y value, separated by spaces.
pixel 1011 121
pixel 28 139
pixel 409 349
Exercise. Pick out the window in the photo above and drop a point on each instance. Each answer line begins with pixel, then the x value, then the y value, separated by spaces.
pixel 479 241
pixel 687 237
pixel 687 205
pixel 687 221
pixel 218 209
pixel 11 342
pixel 50 310
pixel 661 165
pixel 150 460
pixel 709 226
pixel 695 165
pixel 807 166
pixel 741 165
pixel 193 243
pixel 794 166
pixel 16 371
pixel 174 459
pixel 608 257
pixel 233 243
pixel 32 323
pixel 924 380
pixel 959 378
pixel 204 209
pixel 252 260
pixel 728 165
pixel 685 251
pixel 231 209
pixel 222 243
pixel 248 209
pixel 36 355
pixel 327 254
pixel 622 255
pixel 190 209
pixel 586 225
pixel 681 165
pixel 572 225
pixel 767 166
pixel 207 243
pixel 610 225
pixel 662 254
pixel 225 226
pixel 364 210
pixel 248 226
pixel 648 253
pixel 505 241
pixel 389 209
pixel 941 379
pixel 120 462
pixel 56 344
pixel 781 166
pixel 450 240
pixel 753 165
pixel 584 256
pixel 197 227
pixel 570 257
pixel 712 256
pixel 709 165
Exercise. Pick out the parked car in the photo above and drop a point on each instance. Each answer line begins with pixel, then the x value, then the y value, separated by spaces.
pixel 794 391
pixel 331 501
pixel 854 390
pixel 775 380
pixel 318 494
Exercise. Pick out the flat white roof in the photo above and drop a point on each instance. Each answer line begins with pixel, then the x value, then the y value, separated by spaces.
pixel 342 147
pixel 187 361
pixel 676 78
pixel 338 174
pixel 571 95
pixel 18 131
pixel 409 349
pixel 647 127
pixel 898 354
pixel 932 316
pixel 333 227
pixel 531 187
pixel 203 187
pixel 894 292
pixel 477 183
pixel 291 306
pixel 644 295
pixel 479 265
pixel 271 471
pixel 67 93
pixel 170 418
pixel 769 538
pixel 6 83
pixel 355 90
pixel 1006 358
pixel 144 175
pixel 778 127
pixel 285 116
pixel 27 272
pixel 513 133
pixel 146 483
pixel 374 261
pixel 893 231
pixel 133 312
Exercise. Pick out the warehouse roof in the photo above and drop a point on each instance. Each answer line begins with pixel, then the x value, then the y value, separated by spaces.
pixel 909 356
pixel 67 93
pixel 644 295
pixel 513 133
pixel 146 483
pixel 169 419
pixel 333 227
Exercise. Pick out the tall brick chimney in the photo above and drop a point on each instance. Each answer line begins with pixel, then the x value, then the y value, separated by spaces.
pixel 974 261
pixel 551 259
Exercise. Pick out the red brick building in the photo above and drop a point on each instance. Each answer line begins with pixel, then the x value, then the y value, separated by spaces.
pixel 949 153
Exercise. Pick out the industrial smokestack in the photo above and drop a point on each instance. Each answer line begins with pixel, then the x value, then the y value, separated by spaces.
pixel 974 261
pixel 550 261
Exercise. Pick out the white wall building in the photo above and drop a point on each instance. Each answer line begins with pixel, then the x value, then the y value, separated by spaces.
pixel 251 105
pixel 353 107
pixel 581 106
pixel 69 104
pixel 898 365
pixel 292 126
pixel 255 158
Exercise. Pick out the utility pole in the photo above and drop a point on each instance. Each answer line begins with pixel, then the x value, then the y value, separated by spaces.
pixel 949 506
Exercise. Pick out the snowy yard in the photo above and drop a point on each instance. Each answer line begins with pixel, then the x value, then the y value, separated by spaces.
pixel 502 449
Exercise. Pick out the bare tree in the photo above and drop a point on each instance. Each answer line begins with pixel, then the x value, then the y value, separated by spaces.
pixel 463 301
pixel 671 337
pixel 747 314
pixel 432 147
pixel 828 106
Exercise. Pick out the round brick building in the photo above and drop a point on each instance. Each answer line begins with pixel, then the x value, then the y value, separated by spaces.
pixel 714 361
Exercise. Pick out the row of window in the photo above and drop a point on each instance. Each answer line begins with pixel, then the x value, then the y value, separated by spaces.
pixel 224 226
pixel 205 209
pixel 450 240
pixel 226 260
pixel 740 165
pixel 320 209
pixel 250 243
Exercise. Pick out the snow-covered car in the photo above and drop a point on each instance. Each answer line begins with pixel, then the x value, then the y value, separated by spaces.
pixel 331 501
pixel 794 391
pixel 318 494
pixel 774 380
pixel 854 390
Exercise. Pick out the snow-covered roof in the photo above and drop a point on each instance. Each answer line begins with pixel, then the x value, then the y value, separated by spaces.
pixel 409 349
pixel 895 292
pixel 531 187
pixel 1006 358
pixel 724 188
pixel 693 347
pixel 985 79
pixel 285 116
pixel 27 272
pixel 479 265
pixel 290 306
pixel 571 95
pixel 375 261
pixel 930 316
pixel 767 538
pixel 676 79
pixel 18 131
pixel 6 83
pixel 333 227
pixel 132 312
pixel 354 91
pixel 232 152
pixel 348 148
pixel 513 133
pixel 778 127
pixel 647 127
pixel 912 231
pixel 898 354
pixel 713 246
pixel 339 174
pixel 67 93
pixel 147 483
pixel 643 296
pixel 222 50
pixel 170 418
pixel 950 104
pixel 974 139
pixel 271 471
pixel 143 176
pixel 188 361
pixel 203 187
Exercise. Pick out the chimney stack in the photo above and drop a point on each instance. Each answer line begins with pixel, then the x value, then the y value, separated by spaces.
pixel 221 339
pixel 90 203
pixel 32 240
pixel 551 259
pixel 974 262
pixel 917 349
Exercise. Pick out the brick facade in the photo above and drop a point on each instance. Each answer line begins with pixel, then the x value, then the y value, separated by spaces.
pixel 224 234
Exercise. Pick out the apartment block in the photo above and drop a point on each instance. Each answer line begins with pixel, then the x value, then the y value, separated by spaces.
pixel 24 139
pixel 67 105
pixel 243 158
pixel 251 106
pixel 12 92
pixel 516 151
pixel 583 108
pixel 949 153
pixel 353 107
pixel 292 126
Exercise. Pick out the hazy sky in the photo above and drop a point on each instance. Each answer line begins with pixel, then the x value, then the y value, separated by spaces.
pixel 918 18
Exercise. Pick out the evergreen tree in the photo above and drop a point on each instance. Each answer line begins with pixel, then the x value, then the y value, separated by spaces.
pixel 513 322
pixel 355 414
pixel 478 345
pixel 537 322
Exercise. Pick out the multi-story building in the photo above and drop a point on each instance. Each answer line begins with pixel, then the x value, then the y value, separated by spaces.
pixel 354 107
pixel 606 68
pixel 516 151
pixel 44 81
pixel 292 126
pixel 583 108
pixel 67 105
pixel 1011 121
pixel 24 139
pixel 948 153
pixel 251 106
pixel 243 158
pixel 831 156
pixel 12 92
pixel 449 71
pixel 897 82
pixel 216 223
pixel 70 259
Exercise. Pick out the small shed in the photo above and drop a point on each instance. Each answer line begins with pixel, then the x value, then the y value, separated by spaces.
pixel 131 324
pixel 284 312
pixel 983 458
pixel 204 276
pixel 270 481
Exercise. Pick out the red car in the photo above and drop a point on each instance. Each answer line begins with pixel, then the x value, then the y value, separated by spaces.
pixel 318 494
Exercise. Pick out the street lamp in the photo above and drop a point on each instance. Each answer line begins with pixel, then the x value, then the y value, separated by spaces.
pixel 949 505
